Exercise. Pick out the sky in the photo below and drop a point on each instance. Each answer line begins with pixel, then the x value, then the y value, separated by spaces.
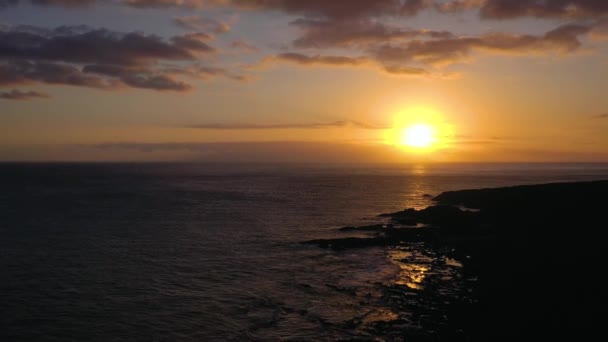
pixel 304 80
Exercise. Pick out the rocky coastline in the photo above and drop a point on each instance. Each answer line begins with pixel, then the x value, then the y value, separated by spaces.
pixel 492 264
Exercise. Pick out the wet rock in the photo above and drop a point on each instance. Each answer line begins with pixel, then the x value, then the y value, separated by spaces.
pixel 513 252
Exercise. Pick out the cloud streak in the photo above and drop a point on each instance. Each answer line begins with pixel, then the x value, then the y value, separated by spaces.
pixel 505 9
pixel 315 125
pixel 197 23
pixel 564 39
pixel 17 94
pixel 302 59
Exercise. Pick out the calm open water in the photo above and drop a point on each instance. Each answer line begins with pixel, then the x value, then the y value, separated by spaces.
pixel 193 252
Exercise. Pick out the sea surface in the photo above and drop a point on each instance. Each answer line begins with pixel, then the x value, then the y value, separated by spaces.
pixel 196 252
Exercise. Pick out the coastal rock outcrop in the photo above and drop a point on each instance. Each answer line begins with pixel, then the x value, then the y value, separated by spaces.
pixel 517 248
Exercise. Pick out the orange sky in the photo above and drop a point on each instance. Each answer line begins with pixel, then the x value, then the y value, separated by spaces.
pixel 304 81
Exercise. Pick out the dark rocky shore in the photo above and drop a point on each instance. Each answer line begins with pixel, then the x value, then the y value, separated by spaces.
pixel 493 264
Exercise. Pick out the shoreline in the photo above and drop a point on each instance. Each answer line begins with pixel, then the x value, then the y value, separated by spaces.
pixel 518 254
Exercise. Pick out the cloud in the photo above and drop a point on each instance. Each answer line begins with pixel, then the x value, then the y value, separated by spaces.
pixel 345 33
pixel 316 8
pixel 138 77
pixel 316 125
pixel 601 116
pixel 17 94
pixel 404 70
pixel 207 72
pixel 329 9
pixel 275 151
pixel 489 9
pixel 302 59
pixel 458 5
pixel 506 9
pixel 194 22
pixel 193 42
pixel 394 68
pixel 476 141
pixel 334 30
pixel 397 50
pixel 7 3
pixel 64 3
pixel 243 46
pixel 82 45
pixel 165 3
pixel 99 58
pixel 50 3
pixel 563 39
pixel 26 72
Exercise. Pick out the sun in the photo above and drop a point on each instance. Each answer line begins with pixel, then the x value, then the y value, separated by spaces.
pixel 418 136
pixel 419 130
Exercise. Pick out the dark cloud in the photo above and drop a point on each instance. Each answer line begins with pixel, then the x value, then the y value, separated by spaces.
pixel 98 58
pixel 315 125
pixel 412 7
pixel 563 39
pixel 64 3
pixel 458 5
pixel 138 77
pixel 491 9
pixel 7 3
pixel 167 3
pixel 363 27
pixel 507 9
pixel 401 51
pixel 72 44
pixel 319 59
pixel 197 23
pixel 310 8
pixel 329 9
pixel 26 72
pixel 156 82
pixel 17 94
pixel 60 3
pixel 601 116
pixel 345 33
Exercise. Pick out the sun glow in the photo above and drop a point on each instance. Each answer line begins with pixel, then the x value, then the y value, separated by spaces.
pixel 419 130
pixel 418 136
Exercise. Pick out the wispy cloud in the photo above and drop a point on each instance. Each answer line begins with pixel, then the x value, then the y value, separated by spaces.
pixel 302 59
pixel 243 46
pixel 194 22
pixel 314 125
pixel 17 94
pixel 247 151
pixel 601 116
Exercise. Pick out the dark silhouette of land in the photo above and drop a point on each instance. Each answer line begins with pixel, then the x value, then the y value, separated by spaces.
pixel 533 262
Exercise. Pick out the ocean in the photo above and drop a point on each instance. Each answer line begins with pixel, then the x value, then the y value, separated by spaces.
pixel 198 252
